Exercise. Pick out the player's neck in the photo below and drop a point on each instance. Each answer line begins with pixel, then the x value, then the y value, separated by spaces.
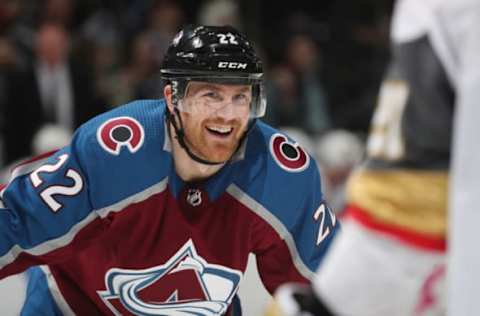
pixel 187 168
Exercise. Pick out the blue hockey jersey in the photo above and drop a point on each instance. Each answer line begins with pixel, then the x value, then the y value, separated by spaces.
pixel 115 231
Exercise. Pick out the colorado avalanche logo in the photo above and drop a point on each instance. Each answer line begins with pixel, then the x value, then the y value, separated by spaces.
pixel 290 157
pixel 121 131
pixel 185 285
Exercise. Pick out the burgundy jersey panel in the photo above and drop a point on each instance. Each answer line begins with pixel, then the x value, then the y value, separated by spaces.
pixel 165 252
pixel 81 241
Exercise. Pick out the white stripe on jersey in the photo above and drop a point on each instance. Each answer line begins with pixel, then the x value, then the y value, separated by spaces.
pixel 139 197
pixel 27 168
pixel 65 239
pixel 276 224
pixel 48 245
pixel 55 291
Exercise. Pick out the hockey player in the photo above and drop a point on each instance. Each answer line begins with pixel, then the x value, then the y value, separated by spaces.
pixel 389 258
pixel 155 206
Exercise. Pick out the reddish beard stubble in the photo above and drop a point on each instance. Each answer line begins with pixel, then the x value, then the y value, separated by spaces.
pixel 207 145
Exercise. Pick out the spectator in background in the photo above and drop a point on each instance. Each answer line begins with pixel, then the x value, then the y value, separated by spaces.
pixel 338 152
pixel 15 26
pixel 296 88
pixel 164 21
pixel 102 43
pixel 300 137
pixel 356 54
pixel 13 55
pixel 149 46
pixel 69 14
pixel 136 79
pixel 7 64
pixel 60 12
pixel 220 12
pixel 48 138
pixel 53 89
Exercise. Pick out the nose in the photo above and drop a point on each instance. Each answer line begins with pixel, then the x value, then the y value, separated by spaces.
pixel 226 111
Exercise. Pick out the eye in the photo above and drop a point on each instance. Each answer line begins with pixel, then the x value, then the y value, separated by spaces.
pixel 211 95
pixel 241 99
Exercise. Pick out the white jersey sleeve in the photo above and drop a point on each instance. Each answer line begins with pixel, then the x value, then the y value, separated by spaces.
pixel 463 272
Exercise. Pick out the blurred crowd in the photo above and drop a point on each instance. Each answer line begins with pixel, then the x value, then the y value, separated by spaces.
pixel 64 61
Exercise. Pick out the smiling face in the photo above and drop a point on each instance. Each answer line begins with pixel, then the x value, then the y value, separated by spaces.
pixel 215 117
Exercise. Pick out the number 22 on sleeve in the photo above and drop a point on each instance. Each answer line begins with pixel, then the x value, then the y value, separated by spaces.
pixel 47 194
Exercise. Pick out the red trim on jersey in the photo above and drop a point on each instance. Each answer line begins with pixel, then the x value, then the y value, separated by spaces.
pixel 428 296
pixel 32 160
pixel 414 238
pixel 36 158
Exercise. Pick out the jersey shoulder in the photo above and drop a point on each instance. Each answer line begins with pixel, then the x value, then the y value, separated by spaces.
pixel 146 114
pixel 124 151
pixel 278 172
pixel 287 154
pixel 282 155
pixel 280 182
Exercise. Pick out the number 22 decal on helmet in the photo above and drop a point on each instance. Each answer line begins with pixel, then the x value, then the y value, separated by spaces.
pixel 289 156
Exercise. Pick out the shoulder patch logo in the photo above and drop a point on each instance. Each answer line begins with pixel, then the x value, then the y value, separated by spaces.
pixel 121 132
pixel 289 156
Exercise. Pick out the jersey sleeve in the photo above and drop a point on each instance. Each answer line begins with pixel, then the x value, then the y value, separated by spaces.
pixel 46 210
pixel 464 197
pixel 295 225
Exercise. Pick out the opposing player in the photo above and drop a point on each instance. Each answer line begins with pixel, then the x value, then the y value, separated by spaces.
pixel 464 258
pixel 155 206
pixel 389 258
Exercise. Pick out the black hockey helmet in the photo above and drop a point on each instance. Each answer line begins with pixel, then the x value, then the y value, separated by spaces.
pixel 218 54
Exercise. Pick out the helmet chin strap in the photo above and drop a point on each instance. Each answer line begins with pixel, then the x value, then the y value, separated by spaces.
pixel 181 138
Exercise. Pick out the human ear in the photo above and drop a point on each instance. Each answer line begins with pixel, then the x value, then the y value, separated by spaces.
pixel 167 92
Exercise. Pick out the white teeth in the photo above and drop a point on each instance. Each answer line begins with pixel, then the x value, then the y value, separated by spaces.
pixel 220 129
